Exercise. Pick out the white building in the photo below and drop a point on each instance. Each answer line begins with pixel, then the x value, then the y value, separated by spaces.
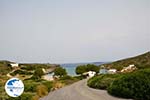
pixel 13 65
pixel 91 73
pixel 112 71
pixel 130 68
pixel 48 77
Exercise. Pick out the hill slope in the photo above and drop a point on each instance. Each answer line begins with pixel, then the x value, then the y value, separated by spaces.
pixel 4 68
pixel 141 61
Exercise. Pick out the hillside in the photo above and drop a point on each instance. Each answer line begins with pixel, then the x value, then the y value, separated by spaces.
pixel 141 61
pixel 4 68
pixel 30 74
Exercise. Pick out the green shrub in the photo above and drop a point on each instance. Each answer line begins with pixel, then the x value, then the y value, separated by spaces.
pixel 21 72
pixel 37 74
pixel 48 84
pixel 30 86
pixel 4 68
pixel 30 67
pixel 102 81
pixel 26 96
pixel 133 85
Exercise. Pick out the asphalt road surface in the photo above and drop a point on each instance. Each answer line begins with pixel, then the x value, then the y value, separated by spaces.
pixel 79 91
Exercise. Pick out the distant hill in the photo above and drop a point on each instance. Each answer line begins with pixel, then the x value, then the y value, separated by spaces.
pixel 141 61
pixel 78 64
pixel 4 68
pixel 5 62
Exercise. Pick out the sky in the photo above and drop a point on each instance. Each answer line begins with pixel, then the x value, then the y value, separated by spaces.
pixel 70 31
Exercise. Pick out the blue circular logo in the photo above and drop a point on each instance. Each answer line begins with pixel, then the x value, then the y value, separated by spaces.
pixel 14 87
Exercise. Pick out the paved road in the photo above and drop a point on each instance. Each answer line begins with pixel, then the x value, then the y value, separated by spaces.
pixel 79 91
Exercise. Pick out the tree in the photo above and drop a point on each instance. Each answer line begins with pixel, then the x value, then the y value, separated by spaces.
pixel 92 67
pixel 59 71
pixel 38 73
pixel 85 68
pixel 80 69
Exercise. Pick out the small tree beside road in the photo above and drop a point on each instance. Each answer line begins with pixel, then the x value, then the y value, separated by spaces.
pixel 60 72
pixel 81 69
pixel 85 68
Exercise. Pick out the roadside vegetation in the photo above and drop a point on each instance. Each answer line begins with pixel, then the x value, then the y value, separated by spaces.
pixel 102 81
pixel 21 72
pixel 31 75
pixel 135 85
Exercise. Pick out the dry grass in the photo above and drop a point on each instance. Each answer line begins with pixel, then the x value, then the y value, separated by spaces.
pixel 36 97
pixel 57 85
pixel 41 90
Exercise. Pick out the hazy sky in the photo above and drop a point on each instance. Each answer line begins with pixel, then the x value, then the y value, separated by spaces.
pixel 62 31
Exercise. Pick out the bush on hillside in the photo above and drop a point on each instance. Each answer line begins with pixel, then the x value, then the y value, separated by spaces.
pixel 30 87
pixel 37 74
pixel 143 66
pixel 134 85
pixel 4 69
pixel 21 72
pixel 48 84
pixel 141 61
pixel 30 67
pixel 102 81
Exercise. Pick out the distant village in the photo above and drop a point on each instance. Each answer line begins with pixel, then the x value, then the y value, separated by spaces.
pixel 103 70
pixel 129 68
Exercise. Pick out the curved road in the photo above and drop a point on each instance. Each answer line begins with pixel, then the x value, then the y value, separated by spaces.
pixel 79 91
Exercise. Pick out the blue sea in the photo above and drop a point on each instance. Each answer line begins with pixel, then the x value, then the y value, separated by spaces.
pixel 70 67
